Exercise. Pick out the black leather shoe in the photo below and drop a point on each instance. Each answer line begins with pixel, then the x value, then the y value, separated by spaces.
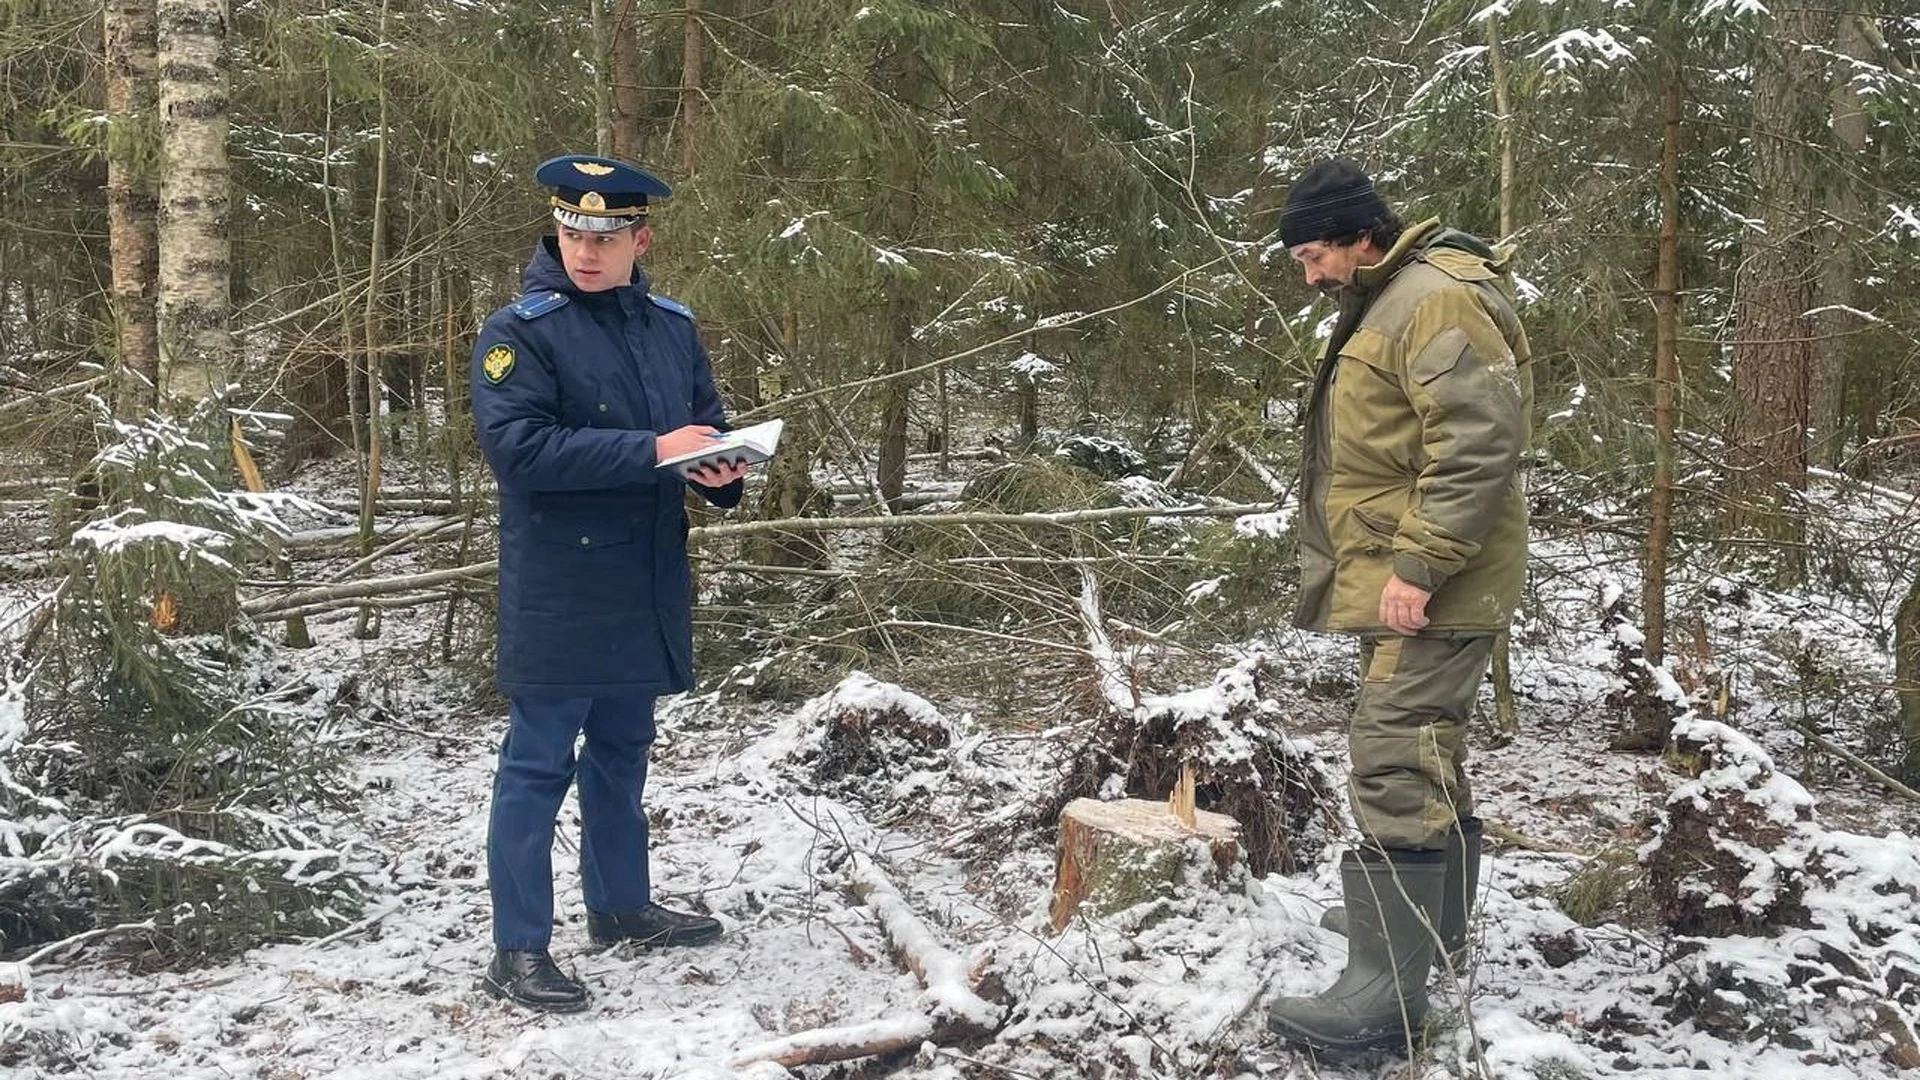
pixel 532 979
pixel 651 925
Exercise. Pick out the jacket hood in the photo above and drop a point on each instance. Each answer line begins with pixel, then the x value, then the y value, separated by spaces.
pixel 546 273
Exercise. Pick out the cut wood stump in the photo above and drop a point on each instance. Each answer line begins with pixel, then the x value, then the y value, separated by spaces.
pixel 1114 855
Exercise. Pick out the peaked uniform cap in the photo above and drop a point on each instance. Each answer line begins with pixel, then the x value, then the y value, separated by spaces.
pixel 596 194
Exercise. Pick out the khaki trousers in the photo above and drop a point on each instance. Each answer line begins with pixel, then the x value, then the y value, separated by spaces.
pixel 1408 737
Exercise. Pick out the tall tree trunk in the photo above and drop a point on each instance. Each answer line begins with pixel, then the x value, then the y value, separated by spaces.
pixel 1502 122
pixel 690 76
pixel 602 78
pixel 1906 675
pixel 1666 371
pixel 1767 440
pixel 894 399
pixel 364 625
pixel 1836 327
pixel 626 80
pixel 132 200
pixel 194 305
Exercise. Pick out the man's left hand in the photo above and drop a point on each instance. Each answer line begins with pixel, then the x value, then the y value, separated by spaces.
pixel 718 474
pixel 1403 607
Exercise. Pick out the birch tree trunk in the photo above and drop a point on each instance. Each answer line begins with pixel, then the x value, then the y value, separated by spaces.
pixel 196 346
pixel 1503 123
pixel 131 39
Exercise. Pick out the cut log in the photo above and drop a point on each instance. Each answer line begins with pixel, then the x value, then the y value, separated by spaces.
pixel 1114 855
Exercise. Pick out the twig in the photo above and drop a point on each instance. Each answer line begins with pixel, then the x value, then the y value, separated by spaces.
pixel 357 927
pixel 1518 839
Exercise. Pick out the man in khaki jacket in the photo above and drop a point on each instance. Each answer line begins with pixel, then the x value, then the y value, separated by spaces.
pixel 1413 536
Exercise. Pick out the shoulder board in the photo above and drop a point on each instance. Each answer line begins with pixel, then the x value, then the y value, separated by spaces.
pixel 674 306
pixel 534 305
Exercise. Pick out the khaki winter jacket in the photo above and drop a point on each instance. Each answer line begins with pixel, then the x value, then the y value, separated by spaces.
pixel 1414 438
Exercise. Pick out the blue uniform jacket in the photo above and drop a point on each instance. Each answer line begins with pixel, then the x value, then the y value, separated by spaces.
pixel 596 599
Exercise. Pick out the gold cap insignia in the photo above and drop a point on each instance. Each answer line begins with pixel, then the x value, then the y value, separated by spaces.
pixel 592 200
pixel 497 363
pixel 591 169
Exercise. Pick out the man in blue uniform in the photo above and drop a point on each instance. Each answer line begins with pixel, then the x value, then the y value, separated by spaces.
pixel 580 387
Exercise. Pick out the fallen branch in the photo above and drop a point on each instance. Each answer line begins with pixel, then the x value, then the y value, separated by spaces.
pixel 82 938
pixel 387 603
pixel 1258 469
pixel 349 931
pixel 823 1045
pixel 942 971
pixel 408 538
pixel 1857 762
pixel 312 542
pixel 1117 683
pixel 58 391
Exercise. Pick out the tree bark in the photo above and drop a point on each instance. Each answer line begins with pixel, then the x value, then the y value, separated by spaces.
pixel 1835 325
pixel 1502 123
pixel 364 626
pixel 1906 675
pixel 691 71
pixel 893 410
pixel 1666 370
pixel 132 41
pixel 626 79
pixel 602 78
pixel 194 304
pixel 1773 334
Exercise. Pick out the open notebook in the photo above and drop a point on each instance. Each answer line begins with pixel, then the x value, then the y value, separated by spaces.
pixel 750 444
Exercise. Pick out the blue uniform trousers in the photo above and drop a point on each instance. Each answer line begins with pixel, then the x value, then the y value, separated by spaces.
pixel 536 765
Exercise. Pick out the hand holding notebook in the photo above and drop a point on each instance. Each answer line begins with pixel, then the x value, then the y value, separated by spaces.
pixel 751 445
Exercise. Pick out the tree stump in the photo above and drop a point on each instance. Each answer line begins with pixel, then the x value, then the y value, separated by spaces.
pixel 1114 855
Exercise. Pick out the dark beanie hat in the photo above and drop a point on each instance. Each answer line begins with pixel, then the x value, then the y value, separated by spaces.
pixel 1331 199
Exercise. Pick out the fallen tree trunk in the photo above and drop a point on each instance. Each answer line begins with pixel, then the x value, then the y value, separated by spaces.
pixel 476 571
pixel 370 587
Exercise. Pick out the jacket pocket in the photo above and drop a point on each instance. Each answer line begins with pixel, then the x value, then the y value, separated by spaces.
pixel 1371 533
pixel 1441 355
pixel 583 530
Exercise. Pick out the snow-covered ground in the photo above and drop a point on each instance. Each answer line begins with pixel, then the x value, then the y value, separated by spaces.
pixel 1169 989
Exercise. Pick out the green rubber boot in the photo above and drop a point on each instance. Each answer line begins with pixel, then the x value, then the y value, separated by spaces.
pixel 1463 886
pixel 1393 906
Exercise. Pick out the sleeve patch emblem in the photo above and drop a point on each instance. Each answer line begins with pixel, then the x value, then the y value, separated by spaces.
pixel 497 363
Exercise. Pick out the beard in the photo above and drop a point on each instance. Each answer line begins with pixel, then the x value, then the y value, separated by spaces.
pixel 1331 289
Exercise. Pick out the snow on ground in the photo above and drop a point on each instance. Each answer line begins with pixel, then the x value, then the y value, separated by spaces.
pixel 1170 989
